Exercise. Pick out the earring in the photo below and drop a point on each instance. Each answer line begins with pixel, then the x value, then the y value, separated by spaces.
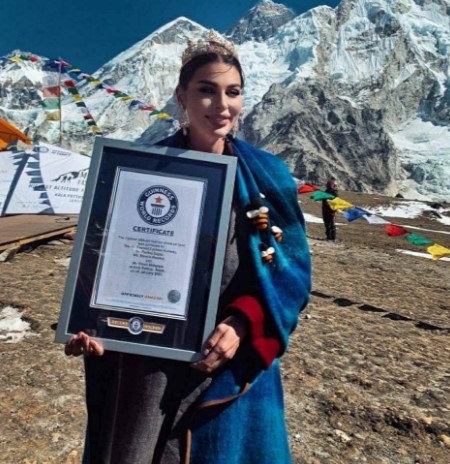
pixel 184 122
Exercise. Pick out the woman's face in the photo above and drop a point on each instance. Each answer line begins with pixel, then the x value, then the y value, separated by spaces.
pixel 213 101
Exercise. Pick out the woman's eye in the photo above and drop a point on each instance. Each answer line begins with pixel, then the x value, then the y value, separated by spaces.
pixel 206 90
pixel 234 92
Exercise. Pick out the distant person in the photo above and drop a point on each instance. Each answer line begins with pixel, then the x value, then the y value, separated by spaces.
pixel 328 214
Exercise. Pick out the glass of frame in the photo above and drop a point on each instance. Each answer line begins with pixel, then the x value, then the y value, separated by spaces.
pixel 147 262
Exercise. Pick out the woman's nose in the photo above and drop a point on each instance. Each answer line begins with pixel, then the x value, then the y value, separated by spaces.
pixel 221 100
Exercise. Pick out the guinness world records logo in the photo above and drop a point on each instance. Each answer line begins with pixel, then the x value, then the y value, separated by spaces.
pixel 157 205
pixel 136 325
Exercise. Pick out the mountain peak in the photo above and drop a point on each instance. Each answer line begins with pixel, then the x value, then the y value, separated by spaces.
pixel 176 31
pixel 261 22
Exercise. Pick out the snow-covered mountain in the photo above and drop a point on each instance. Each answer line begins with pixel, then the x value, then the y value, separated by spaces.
pixel 361 92
pixel 260 23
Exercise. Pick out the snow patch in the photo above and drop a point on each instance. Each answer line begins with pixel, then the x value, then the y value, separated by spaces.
pixel 409 209
pixel 311 218
pixel 12 328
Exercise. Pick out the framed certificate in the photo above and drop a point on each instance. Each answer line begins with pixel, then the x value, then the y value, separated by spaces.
pixel 147 261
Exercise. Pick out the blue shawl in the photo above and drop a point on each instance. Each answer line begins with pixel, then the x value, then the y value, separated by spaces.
pixel 230 426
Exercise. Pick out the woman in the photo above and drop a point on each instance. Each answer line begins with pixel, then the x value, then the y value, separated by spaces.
pixel 228 407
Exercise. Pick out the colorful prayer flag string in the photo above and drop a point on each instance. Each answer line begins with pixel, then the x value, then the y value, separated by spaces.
pixel 76 74
pixel 78 99
pixel 352 213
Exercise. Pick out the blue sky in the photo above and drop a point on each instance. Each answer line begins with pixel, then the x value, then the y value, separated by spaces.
pixel 88 33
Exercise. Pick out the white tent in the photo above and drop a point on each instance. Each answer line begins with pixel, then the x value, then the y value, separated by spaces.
pixel 42 180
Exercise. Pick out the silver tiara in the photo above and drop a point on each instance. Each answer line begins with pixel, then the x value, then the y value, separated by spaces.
pixel 214 43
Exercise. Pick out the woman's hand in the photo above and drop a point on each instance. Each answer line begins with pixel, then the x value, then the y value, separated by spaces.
pixel 82 343
pixel 223 343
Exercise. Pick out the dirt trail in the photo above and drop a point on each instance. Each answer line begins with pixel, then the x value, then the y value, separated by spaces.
pixel 367 373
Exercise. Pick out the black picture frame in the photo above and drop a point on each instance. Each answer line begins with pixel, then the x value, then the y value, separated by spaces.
pixel 137 329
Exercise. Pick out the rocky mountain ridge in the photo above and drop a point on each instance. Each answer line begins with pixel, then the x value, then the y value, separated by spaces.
pixel 361 92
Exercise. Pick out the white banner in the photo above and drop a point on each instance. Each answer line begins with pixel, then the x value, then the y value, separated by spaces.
pixel 52 182
pixel 7 172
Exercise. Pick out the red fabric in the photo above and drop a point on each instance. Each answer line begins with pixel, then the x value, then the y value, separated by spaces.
pixel 394 231
pixel 69 83
pixel 54 91
pixel 147 107
pixel 265 345
pixel 307 188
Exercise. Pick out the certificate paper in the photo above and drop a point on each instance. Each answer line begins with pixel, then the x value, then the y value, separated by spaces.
pixel 148 250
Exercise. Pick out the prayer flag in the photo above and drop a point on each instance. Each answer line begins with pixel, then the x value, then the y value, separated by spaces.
pixel 163 116
pixel 51 91
pixel 51 79
pixel 62 63
pixel 53 116
pixel 307 188
pixel 16 59
pixel 319 195
pixel 438 251
pixel 351 214
pixel 50 103
pixel 374 219
pixel 77 97
pixel 146 107
pixel 69 83
pixel 50 65
pixel 394 230
pixel 418 240
pixel 127 98
pixel 338 204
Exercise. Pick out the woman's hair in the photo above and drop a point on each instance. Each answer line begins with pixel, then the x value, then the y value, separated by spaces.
pixel 188 70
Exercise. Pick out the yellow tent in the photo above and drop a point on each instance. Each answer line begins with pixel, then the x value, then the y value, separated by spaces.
pixel 10 133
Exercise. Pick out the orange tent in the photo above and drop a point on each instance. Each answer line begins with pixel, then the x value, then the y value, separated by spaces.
pixel 10 133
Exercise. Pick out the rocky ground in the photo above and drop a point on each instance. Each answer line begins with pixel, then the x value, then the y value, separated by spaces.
pixel 366 376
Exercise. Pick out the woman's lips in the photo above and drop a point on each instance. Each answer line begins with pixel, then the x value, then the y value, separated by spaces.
pixel 218 120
